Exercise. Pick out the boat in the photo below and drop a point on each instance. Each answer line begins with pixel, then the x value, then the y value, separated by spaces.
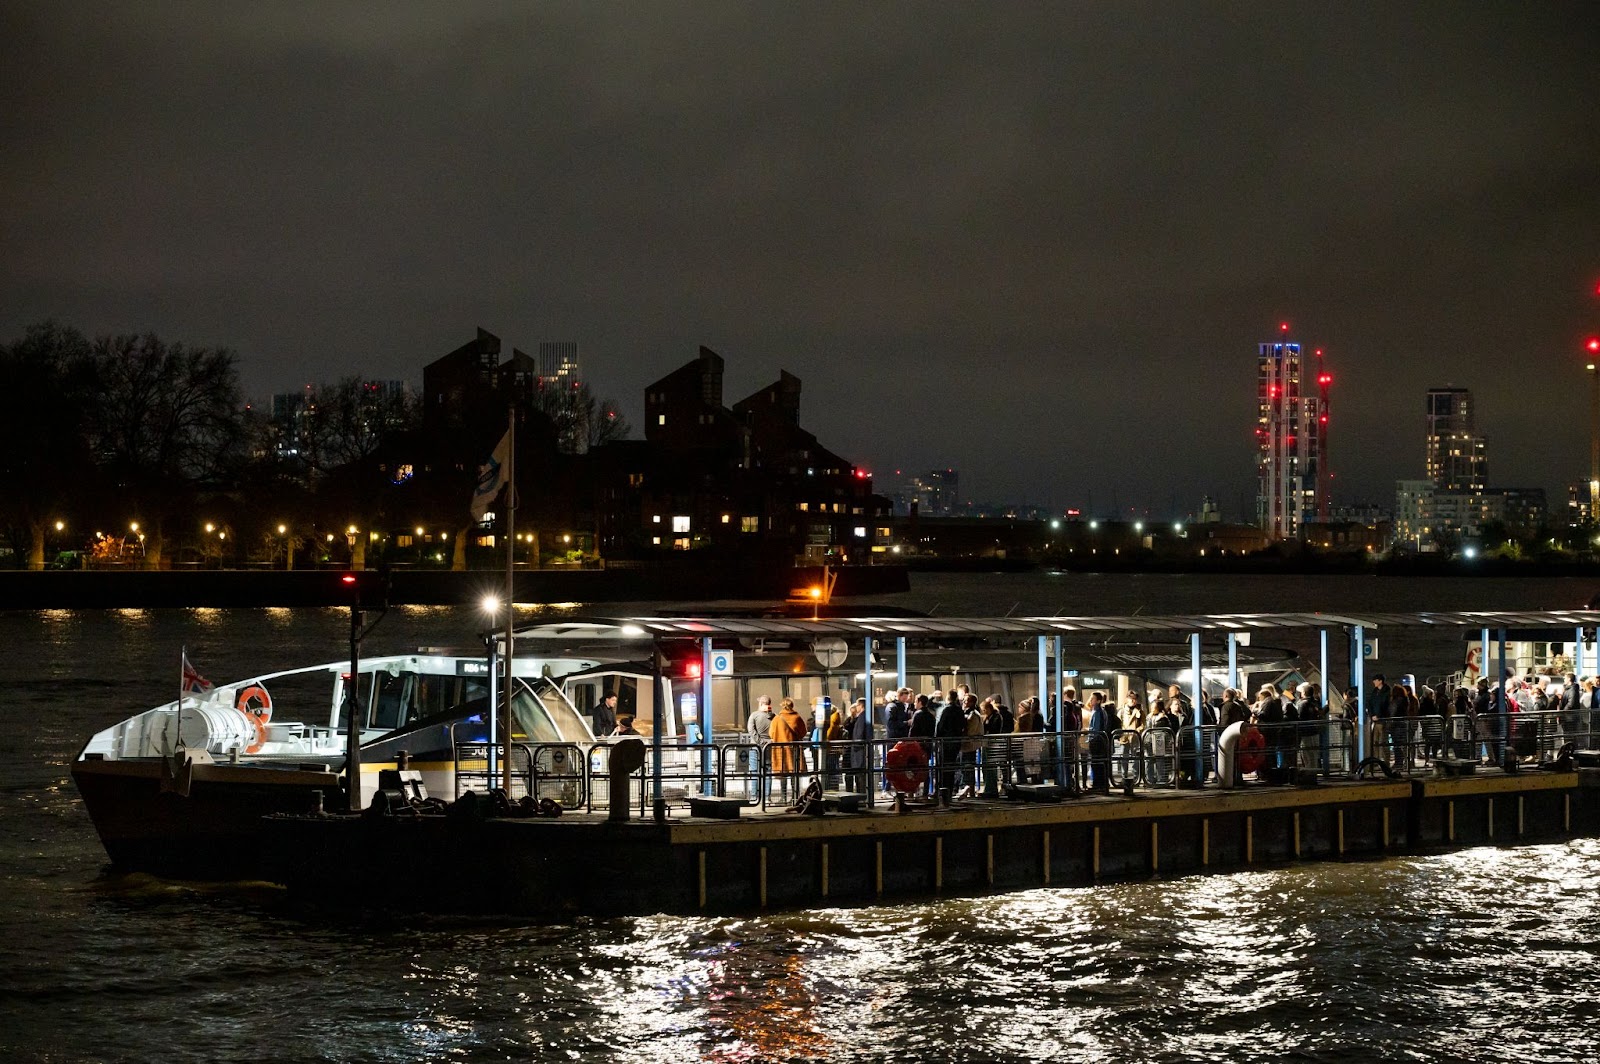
pixel 179 789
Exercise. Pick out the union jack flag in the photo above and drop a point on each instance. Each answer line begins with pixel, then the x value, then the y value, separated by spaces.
pixel 193 682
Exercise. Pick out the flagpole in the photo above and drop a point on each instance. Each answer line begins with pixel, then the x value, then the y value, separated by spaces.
pixel 511 585
pixel 183 682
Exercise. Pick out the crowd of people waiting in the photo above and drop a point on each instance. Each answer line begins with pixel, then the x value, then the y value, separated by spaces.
pixel 973 746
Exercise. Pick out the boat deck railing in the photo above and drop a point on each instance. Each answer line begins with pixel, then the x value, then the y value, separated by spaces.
pixel 771 776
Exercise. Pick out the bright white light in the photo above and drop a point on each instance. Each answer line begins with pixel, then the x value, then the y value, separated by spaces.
pixel 1471 553
pixel 490 603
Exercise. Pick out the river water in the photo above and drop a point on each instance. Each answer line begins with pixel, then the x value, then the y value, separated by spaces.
pixel 1483 955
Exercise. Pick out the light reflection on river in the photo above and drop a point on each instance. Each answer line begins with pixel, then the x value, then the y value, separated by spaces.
pixel 1487 954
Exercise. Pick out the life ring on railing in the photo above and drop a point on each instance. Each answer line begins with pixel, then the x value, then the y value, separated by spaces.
pixel 905 766
pixel 256 705
pixel 1251 754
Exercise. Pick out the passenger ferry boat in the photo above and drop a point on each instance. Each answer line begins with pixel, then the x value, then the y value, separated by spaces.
pixel 179 788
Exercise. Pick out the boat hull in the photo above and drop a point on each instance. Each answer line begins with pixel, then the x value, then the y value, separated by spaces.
pixel 147 823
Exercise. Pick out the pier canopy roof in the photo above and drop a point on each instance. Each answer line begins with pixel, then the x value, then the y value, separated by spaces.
pixel 912 627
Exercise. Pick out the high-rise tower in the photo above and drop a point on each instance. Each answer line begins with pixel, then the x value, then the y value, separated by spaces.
pixel 1456 453
pixel 1291 437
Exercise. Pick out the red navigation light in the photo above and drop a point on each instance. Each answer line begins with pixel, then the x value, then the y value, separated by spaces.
pixel 1326 378
pixel 1319 352
pixel 348 578
pixel 862 474
pixel 1593 343
pixel 1272 390
pixel 691 670
pixel 1323 419
pixel 1283 326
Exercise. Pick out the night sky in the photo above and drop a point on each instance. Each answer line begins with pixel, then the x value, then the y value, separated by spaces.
pixel 1037 243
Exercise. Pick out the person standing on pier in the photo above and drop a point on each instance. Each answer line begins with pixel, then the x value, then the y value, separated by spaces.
pixel 788 733
pixel 1100 733
pixel 921 729
pixel 759 727
pixel 858 736
pixel 1378 713
pixel 897 709
pixel 949 728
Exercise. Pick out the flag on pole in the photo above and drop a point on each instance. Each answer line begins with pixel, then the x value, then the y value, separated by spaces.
pixel 491 477
pixel 193 682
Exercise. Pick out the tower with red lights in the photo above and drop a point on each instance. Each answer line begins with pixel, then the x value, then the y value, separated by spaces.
pixel 1291 437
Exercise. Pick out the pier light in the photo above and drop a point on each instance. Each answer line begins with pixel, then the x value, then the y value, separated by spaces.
pixel 1138 526
pixel 1093 525
pixel 1177 526
pixel 1054 524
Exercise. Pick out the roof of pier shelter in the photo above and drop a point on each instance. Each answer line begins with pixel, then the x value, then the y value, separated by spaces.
pixel 913 627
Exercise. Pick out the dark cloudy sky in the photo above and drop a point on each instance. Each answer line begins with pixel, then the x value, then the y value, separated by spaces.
pixel 1035 242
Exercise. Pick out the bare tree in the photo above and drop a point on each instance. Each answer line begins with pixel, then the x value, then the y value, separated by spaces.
pixel 163 419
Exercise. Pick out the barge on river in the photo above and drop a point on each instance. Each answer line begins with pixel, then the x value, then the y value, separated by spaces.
pixel 662 823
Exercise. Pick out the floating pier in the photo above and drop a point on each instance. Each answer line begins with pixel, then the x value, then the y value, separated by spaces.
pixel 575 864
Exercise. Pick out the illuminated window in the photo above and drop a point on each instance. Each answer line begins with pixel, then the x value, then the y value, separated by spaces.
pixel 680 524
pixel 681 543
pixel 727 518
pixel 655 519
pixel 861 532
pixel 402 541
pixel 655 541
pixel 749 524
pixel 661 419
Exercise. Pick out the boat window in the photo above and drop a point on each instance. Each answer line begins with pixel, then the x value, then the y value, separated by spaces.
pixel 303 697
pixel 389 698
pixel 533 723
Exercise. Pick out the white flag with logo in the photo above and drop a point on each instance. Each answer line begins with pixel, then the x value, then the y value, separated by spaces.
pixel 492 477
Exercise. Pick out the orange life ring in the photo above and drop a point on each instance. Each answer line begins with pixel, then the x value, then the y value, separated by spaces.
pixel 256 705
pixel 1251 752
pixel 905 766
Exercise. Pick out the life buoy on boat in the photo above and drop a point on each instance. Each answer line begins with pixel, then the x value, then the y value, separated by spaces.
pixel 905 766
pixel 1252 750
pixel 256 705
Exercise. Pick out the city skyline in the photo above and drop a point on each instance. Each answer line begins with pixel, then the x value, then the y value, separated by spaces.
pixel 1036 245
